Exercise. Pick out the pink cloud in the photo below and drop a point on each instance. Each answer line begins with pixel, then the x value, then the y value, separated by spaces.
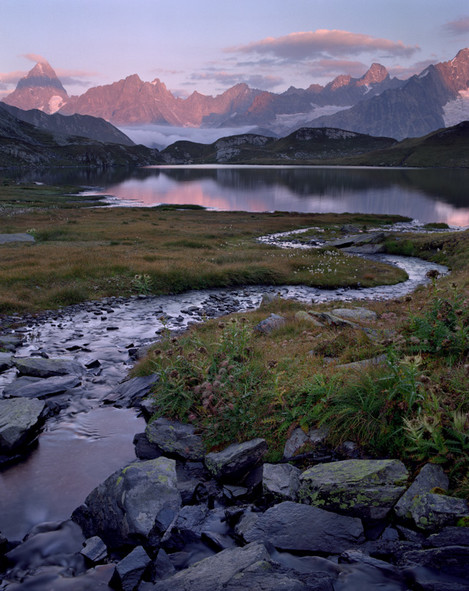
pixel 458 27
pixel 35 57
pixel 11 77
pixel 322 43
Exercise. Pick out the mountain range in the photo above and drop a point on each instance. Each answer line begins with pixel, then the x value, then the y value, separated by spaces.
pixel 374 104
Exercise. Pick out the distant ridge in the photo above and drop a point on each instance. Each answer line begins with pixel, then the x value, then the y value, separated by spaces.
pixel 374 104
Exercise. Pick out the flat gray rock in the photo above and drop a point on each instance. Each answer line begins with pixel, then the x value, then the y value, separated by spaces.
pixel 41 387
pixel 301 528
pixel 282 481
pixel 20 420
pixel 270 324
pixel 364 488
pixel 355 314
pixel 20 237
pixel 5 361
pixel 46 368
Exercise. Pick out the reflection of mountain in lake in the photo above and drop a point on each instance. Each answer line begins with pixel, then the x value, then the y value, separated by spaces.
pixel 425 194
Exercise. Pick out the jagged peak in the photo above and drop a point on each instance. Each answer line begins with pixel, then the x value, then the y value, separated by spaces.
pixel 42 70
pixel 339 81
pixel 375 74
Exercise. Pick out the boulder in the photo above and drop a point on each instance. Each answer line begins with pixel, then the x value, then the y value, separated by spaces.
pixel 20 421
pixel 364 363
pixel 10 342
pixel 301 528
pixel 5 361
pixel 449 536
pixel 270 324
pixel 450 560
pixel 236 461
pixel 355 314
pixel 215 572
pixel 28 387
pixel 46 368
pixel 134 506
pixel 430 476
pixel 130 570
pixel 173 440
pixel 430 512
pixel 281 481
pixel 326 318
pixel 363 488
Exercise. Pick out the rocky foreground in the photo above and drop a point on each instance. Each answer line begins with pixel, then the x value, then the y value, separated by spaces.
pixel 179 519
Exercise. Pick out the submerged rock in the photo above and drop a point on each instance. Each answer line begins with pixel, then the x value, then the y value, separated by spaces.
pixel 364 488
pixel 5 361
pixel 41 387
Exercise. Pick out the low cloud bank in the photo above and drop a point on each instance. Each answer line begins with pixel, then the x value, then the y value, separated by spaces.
pixel 160 136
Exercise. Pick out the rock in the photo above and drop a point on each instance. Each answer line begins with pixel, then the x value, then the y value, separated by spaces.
pixel 355 314
pixel 5 361
pixel 130 570
pixel 431 512
pixel 94 550
pixel 162 567
pixel 46 368
pixel 190 525
pixel 363 488
pixel 236 461
pixel 173 440
pixel 450 560
pixel 19 237
pixel 281 481
pixel 430 476
pixel 10 342
pixel 270 324
pixel 326 318
pixel 215 572
pixel 134 506
pixel 131 392
pixel 41 387
pixel 301 528
pixel 20 421
pixel 305 317
pixel 262 576
pixel 449 536
pixel 358 240
pixel 364 363
pixel 299 438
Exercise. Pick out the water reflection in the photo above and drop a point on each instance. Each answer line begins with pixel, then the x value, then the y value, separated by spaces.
pixel 424 194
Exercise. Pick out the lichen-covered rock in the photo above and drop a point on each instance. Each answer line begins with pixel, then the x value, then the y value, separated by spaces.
pixel 47 368
pixel 281 481
pixel 431 512
pixel 20 421
pixel 430 476
pixel 134 506
pixel 301 528
pixel 174 440
pixel 236 461
pixel 363 488
pixel 303 316
pixel 298 438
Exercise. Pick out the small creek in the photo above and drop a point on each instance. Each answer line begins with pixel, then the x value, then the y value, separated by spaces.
pixel 87 441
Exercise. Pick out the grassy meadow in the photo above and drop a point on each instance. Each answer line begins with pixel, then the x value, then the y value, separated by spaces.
pixel 83 253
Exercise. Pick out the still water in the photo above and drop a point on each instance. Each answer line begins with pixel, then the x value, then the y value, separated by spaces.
pixel 428 195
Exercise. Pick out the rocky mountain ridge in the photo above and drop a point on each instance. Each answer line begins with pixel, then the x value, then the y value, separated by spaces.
pixel 374 104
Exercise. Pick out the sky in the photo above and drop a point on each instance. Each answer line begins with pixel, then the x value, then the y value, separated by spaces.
pixel 210 45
